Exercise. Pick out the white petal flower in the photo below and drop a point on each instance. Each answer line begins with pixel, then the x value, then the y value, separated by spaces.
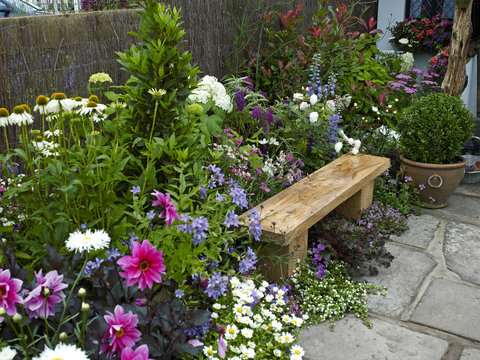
pixel 357 143
pixel 7 353
pixel 297 96
pixel 263 141
pixel 403 41
pixel 338 146
pixel 374 109
pixel 354 151
pixel 350 141
pixel 313 99
pixel 96 240
pixel 247 333
pixel 62 351
pixel 54 106
pixel 297 350
pixel 313 117
pixel 303 106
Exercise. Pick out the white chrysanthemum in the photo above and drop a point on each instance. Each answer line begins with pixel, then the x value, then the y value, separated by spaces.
pixel 277 325
pixel 297 350
pixel 231 332
pixel 313 117
pixel 249 353
pixel 354 151
pixel 288 337
pixel 303 105
pixel 313 99
pixel 217 306
pixel 297 321
pixel 295 357
pixel 62 351
pixel 7 353
pixel 96 240
pixel 357 143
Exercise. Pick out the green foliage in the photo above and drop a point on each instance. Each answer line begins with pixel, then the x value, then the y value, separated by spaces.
pixel 156 63
pixel 331 297
pixel 435 128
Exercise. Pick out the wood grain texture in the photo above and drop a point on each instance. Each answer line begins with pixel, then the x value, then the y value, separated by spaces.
pixel 303 204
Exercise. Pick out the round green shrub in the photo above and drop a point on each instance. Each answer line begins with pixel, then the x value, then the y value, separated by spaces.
pixel 435 128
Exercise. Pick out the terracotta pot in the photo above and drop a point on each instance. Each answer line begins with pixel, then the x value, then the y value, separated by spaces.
pixel 439 180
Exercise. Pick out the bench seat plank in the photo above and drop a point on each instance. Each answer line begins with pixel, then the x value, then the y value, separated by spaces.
pixel 306 202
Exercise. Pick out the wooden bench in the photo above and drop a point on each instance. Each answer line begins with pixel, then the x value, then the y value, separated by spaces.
pixel 344 185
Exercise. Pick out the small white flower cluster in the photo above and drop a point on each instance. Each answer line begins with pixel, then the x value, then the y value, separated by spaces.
pixel 331 106
pixel 46 148
pixel 257 323
pixel 10 215
pixel 354 143
pixel 332 296
pixel 407 62
pixel 210 89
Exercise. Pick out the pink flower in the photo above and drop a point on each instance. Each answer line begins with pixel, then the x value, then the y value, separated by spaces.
pixel 122 332
pixel 168 211
pixel 140 354
pixel 8 292
pixel 48 292
pixel 145 266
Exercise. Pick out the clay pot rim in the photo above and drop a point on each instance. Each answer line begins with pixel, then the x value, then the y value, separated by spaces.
pixel 435 166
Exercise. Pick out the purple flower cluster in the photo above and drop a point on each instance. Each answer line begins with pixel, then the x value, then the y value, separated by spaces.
pixel 217 178
pixel 248 262
pixel 92 266
pixel 197 226
pixel 217 285
pixel 383 218
pixel 332 127
pixel 256 112
pixel 231 219
pixel 238 195
pixel 240 99
pixel 255 227
pixel 319 261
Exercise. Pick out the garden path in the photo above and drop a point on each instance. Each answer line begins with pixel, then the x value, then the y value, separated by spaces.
pixel 432 307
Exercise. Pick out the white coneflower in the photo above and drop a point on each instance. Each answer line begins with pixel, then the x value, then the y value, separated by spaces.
pixel 96 240
pixel 62 351
pixel 81 101
pixel 49 134
pixel 20 116
pixel 41 104
pixel 59 102
pixel 91 107
pixel 157 92
pixel 4 115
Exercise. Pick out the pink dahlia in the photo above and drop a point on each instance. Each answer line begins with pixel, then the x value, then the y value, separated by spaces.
pixel 140 354
pixel 48 292
pixel 8 292
pixel 122 331
pixel 168 211
pixel 145 266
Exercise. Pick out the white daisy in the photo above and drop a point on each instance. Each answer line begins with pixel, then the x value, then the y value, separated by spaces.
pixel 208 351
pixel 96 240
pixel 62 351
pixel 297 350
pixel 247 333
pixel 277 353
pixel 231 332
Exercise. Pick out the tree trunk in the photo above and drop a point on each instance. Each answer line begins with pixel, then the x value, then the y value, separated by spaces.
pixel 455 79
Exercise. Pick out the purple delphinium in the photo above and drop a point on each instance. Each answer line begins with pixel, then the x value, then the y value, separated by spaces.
pixel 248 262
pixel 248 83
pixel 48 292
pixel 240 99
pixel 217 285
pixel 255 227
pixel 231 219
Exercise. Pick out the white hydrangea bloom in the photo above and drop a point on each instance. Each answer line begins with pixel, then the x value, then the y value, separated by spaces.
pixel 407 62
pixel 209 88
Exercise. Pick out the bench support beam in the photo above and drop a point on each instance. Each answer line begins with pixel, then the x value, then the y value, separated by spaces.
pixel 353 207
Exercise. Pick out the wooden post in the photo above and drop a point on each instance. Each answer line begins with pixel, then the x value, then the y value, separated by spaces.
pixel 353 207
pixel 455 79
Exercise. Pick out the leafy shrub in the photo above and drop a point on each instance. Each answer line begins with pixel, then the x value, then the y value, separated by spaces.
pixel 155 63
pixel 356 245
pixel 435 128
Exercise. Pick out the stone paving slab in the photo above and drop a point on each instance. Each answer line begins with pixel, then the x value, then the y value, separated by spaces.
pixel 468 189
pixel 402 279
pixel 460 208
pixel 420 231
pixel 351 339
pixel 470 354
pixel 462 245
pixel 451 307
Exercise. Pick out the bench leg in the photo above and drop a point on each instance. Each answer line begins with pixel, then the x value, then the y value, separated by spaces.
pixel 353 207
pixel 281 260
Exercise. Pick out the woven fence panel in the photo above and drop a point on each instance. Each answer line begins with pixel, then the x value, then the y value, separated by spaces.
pixel 58 53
